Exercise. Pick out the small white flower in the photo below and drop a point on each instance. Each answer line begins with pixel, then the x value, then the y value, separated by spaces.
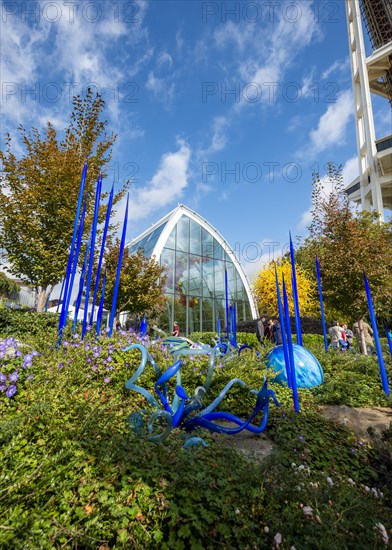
pixel 374 492
pixel 293 548
pixel 293 465
pixel 329 481
pixel 237 511
pixel 350 481
pixel 278 539
pixel 266 529
pixel 367 489
pixel 301 467
pixel 383 533
pixel 308 511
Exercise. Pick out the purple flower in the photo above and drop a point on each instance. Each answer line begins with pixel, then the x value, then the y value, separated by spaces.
pixel 2 386
pixel 65 343
pixel 106 379
pixel 109 358
pixel 3 377
pixel 18 353
pixel 35 353
pixel 30 377
pixel 11 391
pixel 94 367
pixel 87 347
pixel 28 358
pixel 27 365
pixel 14 377
pixel 61 365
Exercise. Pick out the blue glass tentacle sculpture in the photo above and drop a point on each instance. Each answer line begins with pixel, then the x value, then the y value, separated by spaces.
pixel 188 412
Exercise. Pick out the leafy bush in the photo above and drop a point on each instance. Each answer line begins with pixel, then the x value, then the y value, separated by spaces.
pixel 29 325
pixel 245 338
pixel 74 475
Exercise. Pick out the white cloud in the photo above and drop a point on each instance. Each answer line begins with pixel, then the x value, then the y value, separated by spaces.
pixel 162 88
pixel 256 256
pixel 331 128
pixel 164 58
pixel 166 186
pixel 307 83
pixel 304 221
pixel 219 136
pixel 338 65
pixel 350 170
pixel 68 54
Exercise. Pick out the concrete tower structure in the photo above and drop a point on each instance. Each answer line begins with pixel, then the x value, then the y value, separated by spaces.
pixel 373 74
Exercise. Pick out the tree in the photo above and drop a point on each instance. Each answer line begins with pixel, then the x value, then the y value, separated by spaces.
pixel 141 284
pixel 39 192
pixel 264 289
pixel 7 285
pixel 347 243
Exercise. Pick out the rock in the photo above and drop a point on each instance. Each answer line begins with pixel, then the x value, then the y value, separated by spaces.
pixel 367 423
pixel 254 446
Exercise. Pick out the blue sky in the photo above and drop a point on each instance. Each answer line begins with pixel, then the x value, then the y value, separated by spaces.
pixel 226 107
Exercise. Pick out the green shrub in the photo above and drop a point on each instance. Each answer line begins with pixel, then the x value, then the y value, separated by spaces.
pixel 244 338
pixel 74 475
pixel 37 329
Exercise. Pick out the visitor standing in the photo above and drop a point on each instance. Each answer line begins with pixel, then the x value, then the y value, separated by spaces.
pixel 367 334
pixel 276 332
pixel 260 330
pixel 176 329
pixel 337 336
pixel 349 336
pixel 268 331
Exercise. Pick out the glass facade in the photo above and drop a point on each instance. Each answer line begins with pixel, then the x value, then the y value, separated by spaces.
pixel 195 265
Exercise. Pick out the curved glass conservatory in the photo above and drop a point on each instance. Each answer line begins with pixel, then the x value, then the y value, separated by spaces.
pixel 195 257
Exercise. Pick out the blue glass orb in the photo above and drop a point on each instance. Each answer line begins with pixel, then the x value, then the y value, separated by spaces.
pixel 308 370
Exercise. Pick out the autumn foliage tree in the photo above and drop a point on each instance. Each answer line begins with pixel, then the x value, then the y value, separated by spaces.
pixel 264 289
pixel 39 192
pixel 141 284
pixel 347 243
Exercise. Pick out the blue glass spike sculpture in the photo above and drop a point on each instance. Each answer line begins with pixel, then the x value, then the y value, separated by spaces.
pixel 383 374
pixel 188 412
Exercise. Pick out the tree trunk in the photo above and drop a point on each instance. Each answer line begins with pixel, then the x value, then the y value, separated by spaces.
pixel 42 297
pixel 362 344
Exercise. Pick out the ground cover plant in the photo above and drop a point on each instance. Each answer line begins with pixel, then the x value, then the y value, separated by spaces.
pixel 75 476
